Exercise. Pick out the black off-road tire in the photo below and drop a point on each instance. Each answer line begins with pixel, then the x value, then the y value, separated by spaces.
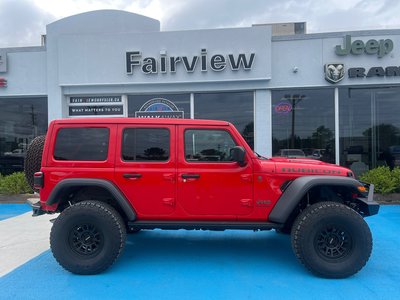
pixel 331 240
pixel 33 159
pixel 284 230
pixel 88 237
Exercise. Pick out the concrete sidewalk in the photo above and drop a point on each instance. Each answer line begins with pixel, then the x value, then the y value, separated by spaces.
pixel 23 238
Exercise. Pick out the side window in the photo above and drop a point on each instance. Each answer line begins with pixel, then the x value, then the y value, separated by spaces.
pixel 145 144
pixel 208 145
pixel 82 144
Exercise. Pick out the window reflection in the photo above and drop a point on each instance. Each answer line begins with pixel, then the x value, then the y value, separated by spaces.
pixel 234 107
pixel 21 120
pixel 303 124
pixel 369 128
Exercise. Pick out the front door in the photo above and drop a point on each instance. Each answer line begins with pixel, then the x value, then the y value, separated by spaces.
pixel 209 182
pixel 146 168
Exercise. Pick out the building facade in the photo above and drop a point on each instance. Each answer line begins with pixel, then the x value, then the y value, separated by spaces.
pixel 329 96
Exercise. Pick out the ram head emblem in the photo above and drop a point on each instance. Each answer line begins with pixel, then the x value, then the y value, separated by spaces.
pixel 334 72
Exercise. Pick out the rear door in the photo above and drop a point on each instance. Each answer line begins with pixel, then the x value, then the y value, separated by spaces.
pixel 146 168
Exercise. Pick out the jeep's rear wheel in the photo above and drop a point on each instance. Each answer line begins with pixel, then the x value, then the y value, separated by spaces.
pixel 33 159
pixel 331 240
pixel 87 237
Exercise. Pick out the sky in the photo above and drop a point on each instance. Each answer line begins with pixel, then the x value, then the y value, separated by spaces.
pixel 22 22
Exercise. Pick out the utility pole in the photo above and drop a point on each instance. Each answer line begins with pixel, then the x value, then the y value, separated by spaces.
pixel 294 100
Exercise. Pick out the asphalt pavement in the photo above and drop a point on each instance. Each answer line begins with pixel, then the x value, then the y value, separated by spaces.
pixel 197 265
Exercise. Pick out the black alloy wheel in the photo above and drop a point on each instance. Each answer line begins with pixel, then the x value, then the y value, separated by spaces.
pixel 333 243
pixel 86 239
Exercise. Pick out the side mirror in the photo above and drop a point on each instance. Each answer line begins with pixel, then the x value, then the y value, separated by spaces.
pixel 238 155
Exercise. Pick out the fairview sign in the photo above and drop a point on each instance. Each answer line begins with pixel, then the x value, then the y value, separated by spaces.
pixel 202 62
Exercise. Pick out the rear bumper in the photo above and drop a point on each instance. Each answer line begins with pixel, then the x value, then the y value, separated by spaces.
pixel 36 207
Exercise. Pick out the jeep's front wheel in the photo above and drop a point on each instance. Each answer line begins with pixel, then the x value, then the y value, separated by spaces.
pixel 87 237
pixel 331 240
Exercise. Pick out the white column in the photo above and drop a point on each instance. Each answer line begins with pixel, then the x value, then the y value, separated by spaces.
pixel 337 148
pixel 263 122
pixel 192 105
pixel 124 99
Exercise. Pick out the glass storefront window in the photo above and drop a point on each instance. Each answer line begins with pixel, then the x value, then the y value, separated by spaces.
pixel 303 121
pixel 234 107
pixel 21 120
pixel 167 105
pixel 369 128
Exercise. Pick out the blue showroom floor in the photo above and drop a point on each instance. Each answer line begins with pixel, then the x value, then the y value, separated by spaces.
pixel 213 265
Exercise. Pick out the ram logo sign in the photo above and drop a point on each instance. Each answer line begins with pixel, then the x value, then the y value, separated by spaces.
pixel 334 72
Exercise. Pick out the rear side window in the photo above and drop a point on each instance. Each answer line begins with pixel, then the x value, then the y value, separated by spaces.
pixel 82 144
pixel 145 144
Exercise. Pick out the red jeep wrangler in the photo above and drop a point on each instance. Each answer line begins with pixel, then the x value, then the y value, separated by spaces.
pixel 107 177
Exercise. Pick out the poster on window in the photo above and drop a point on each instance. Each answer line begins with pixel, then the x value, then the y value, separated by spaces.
pixel 159 108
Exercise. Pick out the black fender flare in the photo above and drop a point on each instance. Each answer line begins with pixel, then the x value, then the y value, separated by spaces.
pixel 66 184
pixel 298 189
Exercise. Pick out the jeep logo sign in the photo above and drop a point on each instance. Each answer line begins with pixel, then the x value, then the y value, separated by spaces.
pixel 381 47
pixel 171 64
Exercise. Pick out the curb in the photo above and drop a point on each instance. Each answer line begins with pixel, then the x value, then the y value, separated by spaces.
pixel 11 199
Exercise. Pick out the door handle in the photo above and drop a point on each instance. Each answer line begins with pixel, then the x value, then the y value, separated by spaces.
pixel 132 176
pixel 190 176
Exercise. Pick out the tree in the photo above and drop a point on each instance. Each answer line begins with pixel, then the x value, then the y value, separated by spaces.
pixel 321 137
pixel 389 135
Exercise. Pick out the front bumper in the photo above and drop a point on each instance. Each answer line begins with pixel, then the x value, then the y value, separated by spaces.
pixel 367 204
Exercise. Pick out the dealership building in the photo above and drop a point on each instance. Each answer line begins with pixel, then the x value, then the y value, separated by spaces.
pixel 328 96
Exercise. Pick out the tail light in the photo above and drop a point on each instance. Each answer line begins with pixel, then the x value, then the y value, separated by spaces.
pixel 38 180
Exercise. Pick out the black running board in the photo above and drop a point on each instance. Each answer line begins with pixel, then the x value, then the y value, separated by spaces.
pixel 202 225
